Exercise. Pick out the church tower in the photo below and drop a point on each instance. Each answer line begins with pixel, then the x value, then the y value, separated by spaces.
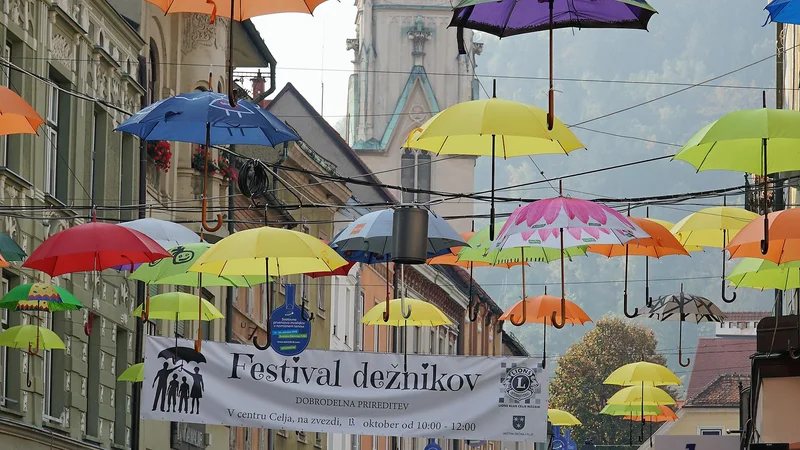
pixel 408 68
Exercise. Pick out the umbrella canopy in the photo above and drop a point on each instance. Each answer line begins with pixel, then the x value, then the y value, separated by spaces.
pixel 27 336
pixel 16 115
pixel 93 246
pixel 175 270
pixel 338 272
pixel 187 354
pixel 669 225
pixel 134 373
pixel 636 395
pixel 685 308
pixel 469 128
pixel 540 309
pixel 479 250
pixel 561 418
pixel 651 374
pixel 784 238
pixel 508 18
pixel 186 117
pixel 267 250
pixel 4 262
pixel 167 234
pixel 660 242
pixel 243 9
pixel 665 415
pixel 423 314
pixel 10 250
pixel 373 233
pixel 783 11
pixel 41 297
pixel 625 410
pixel 179 306
pixel 763 274
pixel 712 227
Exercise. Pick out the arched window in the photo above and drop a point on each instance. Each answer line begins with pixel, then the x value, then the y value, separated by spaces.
pixel 154 79
pixel 415 173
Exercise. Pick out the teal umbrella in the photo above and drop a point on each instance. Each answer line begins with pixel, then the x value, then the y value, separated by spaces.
pixel 10 250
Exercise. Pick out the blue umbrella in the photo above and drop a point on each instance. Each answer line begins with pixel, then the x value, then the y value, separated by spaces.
pixel 783 11
pixel 208 118
pixel 368 239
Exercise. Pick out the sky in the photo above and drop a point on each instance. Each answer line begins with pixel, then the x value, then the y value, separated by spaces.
pixel 303 45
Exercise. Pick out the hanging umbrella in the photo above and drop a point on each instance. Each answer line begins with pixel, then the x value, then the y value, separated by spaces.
pixel 626 411
pixel 763 274
pixel 665 414
pixel 783 237
pixel 93 247
pixel 207 118
pixel 783 11
pixel 10 250
pixel 635 395
pixel 133 374
pixel 3 262
pixel 167 234
pixel 16 115
pixel 661 242
pixel 561 418
pixel 267 250
pixel 186 354
pixel 452 258
pixel 684 308
pixel 512 17
pixel 477 127
pixel 757 141
pixel 713 227
pixel 32 337
pixel 338 272
pixel 40 297
pixel 669 225
pixel 563 222
pixel 541 309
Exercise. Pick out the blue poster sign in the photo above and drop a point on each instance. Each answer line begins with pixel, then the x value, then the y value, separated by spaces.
pixel 571 445
pixel 432 445
pixel 562 441
pixel 290 333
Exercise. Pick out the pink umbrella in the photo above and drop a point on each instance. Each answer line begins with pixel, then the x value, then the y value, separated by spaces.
pixel 563 222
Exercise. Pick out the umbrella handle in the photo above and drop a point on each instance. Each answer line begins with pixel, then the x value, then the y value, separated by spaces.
pixel 33 350
pixel 87 326
pixel 724 296
pixel 206 226
pixel 304 313
pixel 554 321
pixel 680 346
pixel 405 310
pixel 386 311
pixel 635 310
pixel 794 353
pixel 472 310
pixel 524 315
pixel 269 340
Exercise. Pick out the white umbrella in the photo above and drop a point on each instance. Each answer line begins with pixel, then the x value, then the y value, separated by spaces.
pixel 167 234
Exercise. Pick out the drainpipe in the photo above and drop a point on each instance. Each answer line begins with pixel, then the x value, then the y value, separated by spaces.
pixel 261 97
pixel 229 293
pixel 395 340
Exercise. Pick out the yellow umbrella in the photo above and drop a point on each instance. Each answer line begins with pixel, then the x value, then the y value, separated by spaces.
pixel 496 128
pixel 669 225
pixel 713 227
pixel 26 336
pixel 561 418
pixel 423 314
pixel 134 373
pixel 179 306
pixel 636 395
pixel 635 374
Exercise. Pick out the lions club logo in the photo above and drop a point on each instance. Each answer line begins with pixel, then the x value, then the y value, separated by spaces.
pixel 520 383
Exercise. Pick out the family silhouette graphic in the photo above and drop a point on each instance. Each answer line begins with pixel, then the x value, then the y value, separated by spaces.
pixel 172 393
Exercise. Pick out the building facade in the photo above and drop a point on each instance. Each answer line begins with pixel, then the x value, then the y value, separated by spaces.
pixel 63 54
pixel 406 69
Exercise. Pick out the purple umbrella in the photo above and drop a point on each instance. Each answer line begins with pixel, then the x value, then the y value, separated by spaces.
pixel 511 17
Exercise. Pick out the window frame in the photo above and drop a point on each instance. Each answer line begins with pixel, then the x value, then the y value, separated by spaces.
pixel 5 285
pixel 711 430
pixel 6 81
pixel 51 136
pixel 47 377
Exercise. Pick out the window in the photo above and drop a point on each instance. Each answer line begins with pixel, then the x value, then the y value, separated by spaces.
pixel 153 88
pixel 318 440
pixel 709 431
pixel 121 388
pixel 322 283
pixel 4 364
pixel 304 279
pixel 264 310
pixel 336 311
pixel 348 316
pixel 205 325
pixel 415 173
pixel 359 344
pixel 249 302
pixel 432 343
pixel 51 154
pixel 47 371
pixel 5 80
pixel 301 436
pixel 93 380
pixel 418 334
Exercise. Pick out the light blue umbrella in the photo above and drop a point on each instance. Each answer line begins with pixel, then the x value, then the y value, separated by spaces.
pixel 368 239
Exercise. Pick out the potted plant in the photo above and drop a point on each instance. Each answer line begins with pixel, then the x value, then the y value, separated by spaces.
pixel 226 168
pixel 161 154
pixel 200 158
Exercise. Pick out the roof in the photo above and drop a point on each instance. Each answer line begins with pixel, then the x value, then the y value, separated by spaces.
pixel 516 347
pixel 359 168
pixel 258 41
pixel 722 392
pixel 246 213
pixel 716 357
pixel 746 316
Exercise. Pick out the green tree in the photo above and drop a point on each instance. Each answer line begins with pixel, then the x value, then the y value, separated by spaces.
pixel 578 386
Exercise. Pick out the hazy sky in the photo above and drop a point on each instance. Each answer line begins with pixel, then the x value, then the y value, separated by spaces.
pixel 303 45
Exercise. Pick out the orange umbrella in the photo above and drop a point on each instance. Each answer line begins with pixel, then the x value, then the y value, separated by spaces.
pixel 3 262
pixel 451 259
pixel 16 115
pixel 666 415
pixel 540 310
pixel 784 238
pixel 660 243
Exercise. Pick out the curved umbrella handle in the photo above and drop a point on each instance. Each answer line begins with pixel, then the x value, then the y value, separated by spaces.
pixel 625 291
pixel 635 310
pixel 554 321
pixel 87 326
pixel 386 311
pixel 304 313
pixel 765 241
pixel 524 315
pixel 28 377
pixel 269 340
pixel 206 226
pixel 724 294
pixel 472 311
pixel 680 359
pixel 794 353
pixel 680 339
pixel 405 310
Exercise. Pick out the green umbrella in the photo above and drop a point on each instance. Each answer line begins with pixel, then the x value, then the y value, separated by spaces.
pixel 764 274
pixel 630 410
pixel 10 250
pixel 758 141
pixel 40 297
pixel 134 373
pixel 174 270
pixel 478 250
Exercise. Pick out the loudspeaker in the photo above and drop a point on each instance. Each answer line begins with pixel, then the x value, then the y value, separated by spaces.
pixel 410 235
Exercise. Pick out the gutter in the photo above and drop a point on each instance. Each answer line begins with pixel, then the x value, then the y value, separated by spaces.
pixel 265 54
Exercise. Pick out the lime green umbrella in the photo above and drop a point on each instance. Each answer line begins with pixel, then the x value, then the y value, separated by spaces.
pixel 33 338
pixel 133 374
pixel 174 270
pixel 630 410
pixel 758 141
pixel 478 251
pixel 764 274
pixel 40 297
pixel 180 306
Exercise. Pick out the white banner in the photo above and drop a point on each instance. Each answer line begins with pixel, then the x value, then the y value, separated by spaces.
pixel 453 397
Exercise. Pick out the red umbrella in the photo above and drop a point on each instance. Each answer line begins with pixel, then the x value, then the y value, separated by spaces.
pixel 93 246
pixel 340 272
